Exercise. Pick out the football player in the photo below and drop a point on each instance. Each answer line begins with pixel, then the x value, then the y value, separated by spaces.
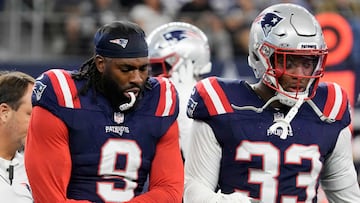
pixel 97 133
pixel 180 51
pixel 274 141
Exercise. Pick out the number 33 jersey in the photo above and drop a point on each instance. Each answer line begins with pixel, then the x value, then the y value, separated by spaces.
pixel 258 162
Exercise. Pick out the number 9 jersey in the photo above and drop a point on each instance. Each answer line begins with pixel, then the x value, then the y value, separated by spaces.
pixel 83 150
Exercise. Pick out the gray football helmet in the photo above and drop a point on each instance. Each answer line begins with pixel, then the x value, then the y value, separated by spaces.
pixel 178 45
pixel 282 32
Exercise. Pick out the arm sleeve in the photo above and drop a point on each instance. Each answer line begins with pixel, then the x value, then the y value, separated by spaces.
pixel 202 167
pixel 47 157
pixel 166 180
pixel 338 178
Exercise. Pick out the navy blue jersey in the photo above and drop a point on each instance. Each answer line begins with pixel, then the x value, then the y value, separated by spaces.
pixel 256 161
pixel 111 152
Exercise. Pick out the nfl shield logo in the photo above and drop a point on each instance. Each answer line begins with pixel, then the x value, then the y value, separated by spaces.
pixel 118 117
pixel 278 116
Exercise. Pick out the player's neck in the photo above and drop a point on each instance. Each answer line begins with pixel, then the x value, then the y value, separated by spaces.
pixel 266 93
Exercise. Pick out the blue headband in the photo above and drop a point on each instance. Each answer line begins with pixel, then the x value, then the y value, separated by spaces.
pixel 120 45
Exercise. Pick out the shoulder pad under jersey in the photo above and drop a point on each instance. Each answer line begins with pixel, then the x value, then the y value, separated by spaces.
pixel 208 99
pixel 333 102
pixel 163 96
pixel 55 87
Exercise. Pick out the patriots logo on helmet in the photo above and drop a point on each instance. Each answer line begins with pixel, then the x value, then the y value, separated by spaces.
pixel 179 35
pixel 269 21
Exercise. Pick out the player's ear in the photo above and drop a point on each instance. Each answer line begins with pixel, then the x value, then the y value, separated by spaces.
pixel 4 111
pixel 100 63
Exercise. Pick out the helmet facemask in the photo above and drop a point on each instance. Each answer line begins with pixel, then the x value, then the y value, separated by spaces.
pixel 282 63
pixel 164 66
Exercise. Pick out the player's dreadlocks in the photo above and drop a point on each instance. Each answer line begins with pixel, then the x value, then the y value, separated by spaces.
pixel 88 71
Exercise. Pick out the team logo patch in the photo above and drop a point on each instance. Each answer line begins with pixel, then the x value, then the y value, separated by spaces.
pixel 38 90
pixel 191 107
pixel 122 42
pixel 269 21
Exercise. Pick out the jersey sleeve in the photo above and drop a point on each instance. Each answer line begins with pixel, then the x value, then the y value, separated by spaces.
pixel 338 178
pixel 55 89
pixel 46 144
pixel 165 97
pixel 202 169
pixel 166 183
pixel 333 101
pixel 208 99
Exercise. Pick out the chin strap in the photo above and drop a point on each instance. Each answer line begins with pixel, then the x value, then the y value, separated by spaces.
pixel 319 113
pixel 281 126
pixel 253 108
pixel 127 106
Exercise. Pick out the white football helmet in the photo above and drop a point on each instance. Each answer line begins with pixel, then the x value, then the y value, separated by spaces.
pixel 176 46
pixel 282 32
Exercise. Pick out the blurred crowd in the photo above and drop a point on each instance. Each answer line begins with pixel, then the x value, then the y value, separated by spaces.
pixel 70 24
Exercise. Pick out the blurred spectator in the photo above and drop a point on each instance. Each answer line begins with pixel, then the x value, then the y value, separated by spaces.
pixel 172 6
pixel 189 12
pixel 201 14
pixel 70 33
pixel 237 20
pixel 129 4
pixel 219 40
pixel 76 41
pixel 149 15
pixel 105 11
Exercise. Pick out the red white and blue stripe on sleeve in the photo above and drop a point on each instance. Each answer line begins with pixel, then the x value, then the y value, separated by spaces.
pixel 213 96
pixel 336 102
pixel 64 88
pixel 167 100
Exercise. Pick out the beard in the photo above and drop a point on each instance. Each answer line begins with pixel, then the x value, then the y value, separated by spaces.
pixel 114 93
